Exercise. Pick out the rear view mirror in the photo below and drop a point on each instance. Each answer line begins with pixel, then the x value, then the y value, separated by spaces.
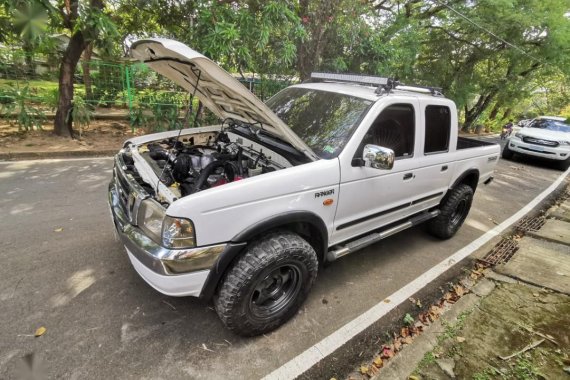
pixel 378 157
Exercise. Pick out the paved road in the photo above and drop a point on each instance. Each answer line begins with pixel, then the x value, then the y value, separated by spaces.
pixel 103 321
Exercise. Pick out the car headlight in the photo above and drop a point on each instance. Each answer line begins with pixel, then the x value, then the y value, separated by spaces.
pixel 178 233
pixel 564 142
pixel 149 219
pixel 519 135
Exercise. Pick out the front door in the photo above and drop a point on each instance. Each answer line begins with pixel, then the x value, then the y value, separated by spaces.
pixel 370 198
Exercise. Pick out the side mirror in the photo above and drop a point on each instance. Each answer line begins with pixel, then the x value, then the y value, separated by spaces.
pixel 378 157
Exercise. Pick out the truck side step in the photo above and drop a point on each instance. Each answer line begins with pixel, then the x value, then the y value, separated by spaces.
pixel 374 237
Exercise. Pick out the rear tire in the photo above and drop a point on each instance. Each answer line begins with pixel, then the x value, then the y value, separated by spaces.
pixel 507 153
pixel 266 286
pixel 453 211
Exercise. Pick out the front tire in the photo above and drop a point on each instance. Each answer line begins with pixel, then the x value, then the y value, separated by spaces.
pixel 507 153
pixel 453 211
pixel 563 165
pixel 266 286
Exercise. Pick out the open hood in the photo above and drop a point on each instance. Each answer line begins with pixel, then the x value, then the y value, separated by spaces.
pixel 221 93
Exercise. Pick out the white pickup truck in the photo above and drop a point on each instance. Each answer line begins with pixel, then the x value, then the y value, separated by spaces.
pixel 246 212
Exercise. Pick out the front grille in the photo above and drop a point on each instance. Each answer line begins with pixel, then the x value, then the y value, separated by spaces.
pixel 532 140
pixel 131 194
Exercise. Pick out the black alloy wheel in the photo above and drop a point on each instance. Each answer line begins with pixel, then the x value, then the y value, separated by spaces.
pixel 276 291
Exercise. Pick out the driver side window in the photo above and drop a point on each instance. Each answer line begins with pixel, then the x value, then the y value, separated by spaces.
pixel 395 129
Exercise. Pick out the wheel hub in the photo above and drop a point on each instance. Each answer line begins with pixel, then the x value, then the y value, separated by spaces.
pixel 275 291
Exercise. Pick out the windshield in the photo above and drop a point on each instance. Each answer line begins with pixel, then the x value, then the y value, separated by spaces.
pixel 551 125
pixel 323 120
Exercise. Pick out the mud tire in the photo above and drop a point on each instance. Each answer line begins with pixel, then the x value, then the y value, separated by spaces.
pixel 280 258
pixel 453 211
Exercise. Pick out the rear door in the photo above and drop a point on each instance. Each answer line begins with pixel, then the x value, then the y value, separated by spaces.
pixel 436 144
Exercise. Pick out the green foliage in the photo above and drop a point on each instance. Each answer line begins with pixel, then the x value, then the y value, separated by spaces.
pixel 16 108
pixel 80 114
pixel 408 320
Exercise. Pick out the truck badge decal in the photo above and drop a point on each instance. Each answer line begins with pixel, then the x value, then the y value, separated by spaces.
pixel 324 193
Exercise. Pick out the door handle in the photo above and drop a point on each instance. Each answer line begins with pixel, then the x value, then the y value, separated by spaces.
pixel 444 168
pixel 408 176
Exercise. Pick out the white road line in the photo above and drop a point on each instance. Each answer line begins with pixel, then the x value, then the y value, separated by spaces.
pixel 301 363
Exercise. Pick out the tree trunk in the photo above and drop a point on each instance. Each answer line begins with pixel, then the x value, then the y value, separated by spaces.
pixel 495 111
pixel 87 71
pixel 62 125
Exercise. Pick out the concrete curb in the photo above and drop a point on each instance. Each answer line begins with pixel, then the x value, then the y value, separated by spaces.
pixel 18 156
pixel 406 361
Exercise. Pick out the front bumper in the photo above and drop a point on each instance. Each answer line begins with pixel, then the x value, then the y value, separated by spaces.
pixel 174 272
pixel 560 152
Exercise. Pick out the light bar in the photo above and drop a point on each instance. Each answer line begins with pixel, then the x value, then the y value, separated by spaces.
pixel 352 78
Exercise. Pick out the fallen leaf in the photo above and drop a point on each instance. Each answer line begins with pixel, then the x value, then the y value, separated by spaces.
pixel 459 290
pixel 387 300
pixel 363 369
pixel 412 377
pixel 372 371
pixel 378 362
pixel 460 339
pixel 40 331
pixel 58 229
pixel 387 352
pixel 536 294
pixel 404 331
pixel 408 340
pixel 397 345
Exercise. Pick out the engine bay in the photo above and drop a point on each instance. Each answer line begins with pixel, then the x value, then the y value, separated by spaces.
pixel 188 164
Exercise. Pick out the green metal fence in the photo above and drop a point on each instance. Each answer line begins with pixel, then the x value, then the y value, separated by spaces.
pixel 128 89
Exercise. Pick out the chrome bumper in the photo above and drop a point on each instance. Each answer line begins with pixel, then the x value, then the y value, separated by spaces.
pixel 163 261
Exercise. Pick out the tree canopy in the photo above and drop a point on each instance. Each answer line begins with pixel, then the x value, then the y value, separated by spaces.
pixel 495 58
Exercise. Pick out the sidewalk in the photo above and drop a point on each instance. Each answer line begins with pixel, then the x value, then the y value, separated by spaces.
pixel 514 323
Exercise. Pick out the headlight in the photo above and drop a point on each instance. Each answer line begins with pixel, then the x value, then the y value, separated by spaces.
pixel 178 233
pixel 564 142
pixel 149 219
pixel 519 135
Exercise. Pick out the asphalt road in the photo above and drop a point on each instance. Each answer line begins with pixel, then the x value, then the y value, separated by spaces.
pixel 62 268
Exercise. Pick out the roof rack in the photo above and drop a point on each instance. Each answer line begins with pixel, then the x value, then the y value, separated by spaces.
pixel 384 85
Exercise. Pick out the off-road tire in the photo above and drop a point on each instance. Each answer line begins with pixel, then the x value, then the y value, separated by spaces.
pixel 235 299
pixel 507 153
pixel 563 164
pixel 453 211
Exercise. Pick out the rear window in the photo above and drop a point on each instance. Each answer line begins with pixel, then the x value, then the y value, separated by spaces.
pixel 438 127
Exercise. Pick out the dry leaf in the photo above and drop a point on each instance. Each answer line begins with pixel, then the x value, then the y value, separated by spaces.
pixel 397 345
pixel 378 362
pixel 387 300
pixel 459 290
pixel 460 339
pixel 536 294
pixel 387 352
pixel 40 331
pixel 408 340
pixel 363 369
pixel 58 229
pixel 372 371
pixel 404 331
pixel 412 377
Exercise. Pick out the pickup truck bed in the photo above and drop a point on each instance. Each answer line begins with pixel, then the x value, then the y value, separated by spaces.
pixel 467 143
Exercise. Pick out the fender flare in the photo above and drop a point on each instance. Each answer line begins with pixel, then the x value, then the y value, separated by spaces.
pixel 465 174
pixel 239 242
